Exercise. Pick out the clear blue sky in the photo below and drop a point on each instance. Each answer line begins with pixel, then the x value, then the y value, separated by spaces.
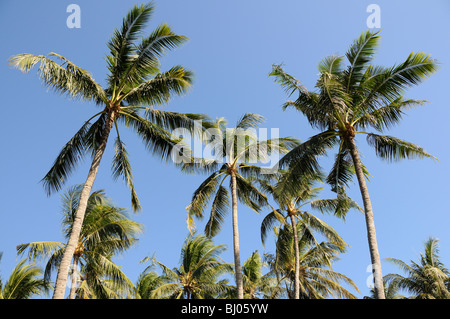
pixel 231 49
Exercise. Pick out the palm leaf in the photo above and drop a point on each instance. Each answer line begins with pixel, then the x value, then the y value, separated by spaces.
pixel 219 210
pixel 145 62
pixel 393 149
pixel 65 78
pixel 121 167
pixel 121 44
pixel 158 90
pixel 67 160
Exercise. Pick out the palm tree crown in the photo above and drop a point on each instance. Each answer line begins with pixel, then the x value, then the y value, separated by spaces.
pixel 426 279
pixel 198 275
pixel 106 231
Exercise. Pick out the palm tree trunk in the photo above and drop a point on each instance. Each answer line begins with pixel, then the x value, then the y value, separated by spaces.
pixel 370 224
pixel 237 257
pixel 63 270
pixel 73 287
pixel 297 259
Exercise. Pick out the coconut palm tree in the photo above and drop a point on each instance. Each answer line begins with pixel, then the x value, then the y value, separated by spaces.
pixel 317 280
pixel 146 283
pixel 135 86
pixel 292 207
pixel 348 101
pixel 236 153
pixel 107 230
pixel 197 277
pixel 256 285
pixel 426 279
pixel 391 290
pixel 24 282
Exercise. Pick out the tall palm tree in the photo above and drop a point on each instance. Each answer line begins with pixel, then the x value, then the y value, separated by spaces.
pixel 106 231
pixel 347 102
pixel 134 80
pixel 197 277
pixel 24 282
pixel 426 279
pixel 292 206
pixel 317 279
pixel 237 150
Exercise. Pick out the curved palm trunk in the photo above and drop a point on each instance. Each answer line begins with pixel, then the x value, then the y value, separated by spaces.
pixel 297 259
pixel 370 224
pixel 63 271
pixel 237 257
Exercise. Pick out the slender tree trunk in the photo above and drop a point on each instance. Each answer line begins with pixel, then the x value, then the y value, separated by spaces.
pixel 63 271
pixel 73 287
pixel 237 257
pixel 297 259
pixel 370 224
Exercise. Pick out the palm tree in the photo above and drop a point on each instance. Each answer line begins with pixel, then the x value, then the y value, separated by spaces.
pixel 197 277
pixel 134 80
pixel 347 102
pixel 291 206
pixel 317 280
pixel 24 282
pixel 256 285
pixel 391 290
pixel 236 151
pixel 146 283
pixel 426 279
pixel 106 231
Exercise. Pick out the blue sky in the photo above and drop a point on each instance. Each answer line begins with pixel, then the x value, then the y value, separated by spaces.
pixel 232 47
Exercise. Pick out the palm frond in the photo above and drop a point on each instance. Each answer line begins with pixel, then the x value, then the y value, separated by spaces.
pixel 202 195
pixel 286 81
pixel 387 84
pixel 159 90
pixel 156 139
pixel 65 78
pixel 387 116
pixel 393 149
pixel 219 210
pixel 121 167
pixel 122 42
pixel 359 54
pixel 144 61
pixel 67 160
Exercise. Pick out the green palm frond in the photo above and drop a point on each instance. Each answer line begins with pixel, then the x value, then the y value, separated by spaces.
pixel 219 210
pixel 121 167
pixel 121 44
pixel 64 78
pixel 67 160
pixel 287 82
pixel 389 84
pixel 39 250
pixel 24 282
pixel 359 55
pixel 387 116
pixel 144 62
pixel 203 194
pixel 249 194
pixel 158 90
pixel 156 139
pixel 303 161
pixel 394 149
